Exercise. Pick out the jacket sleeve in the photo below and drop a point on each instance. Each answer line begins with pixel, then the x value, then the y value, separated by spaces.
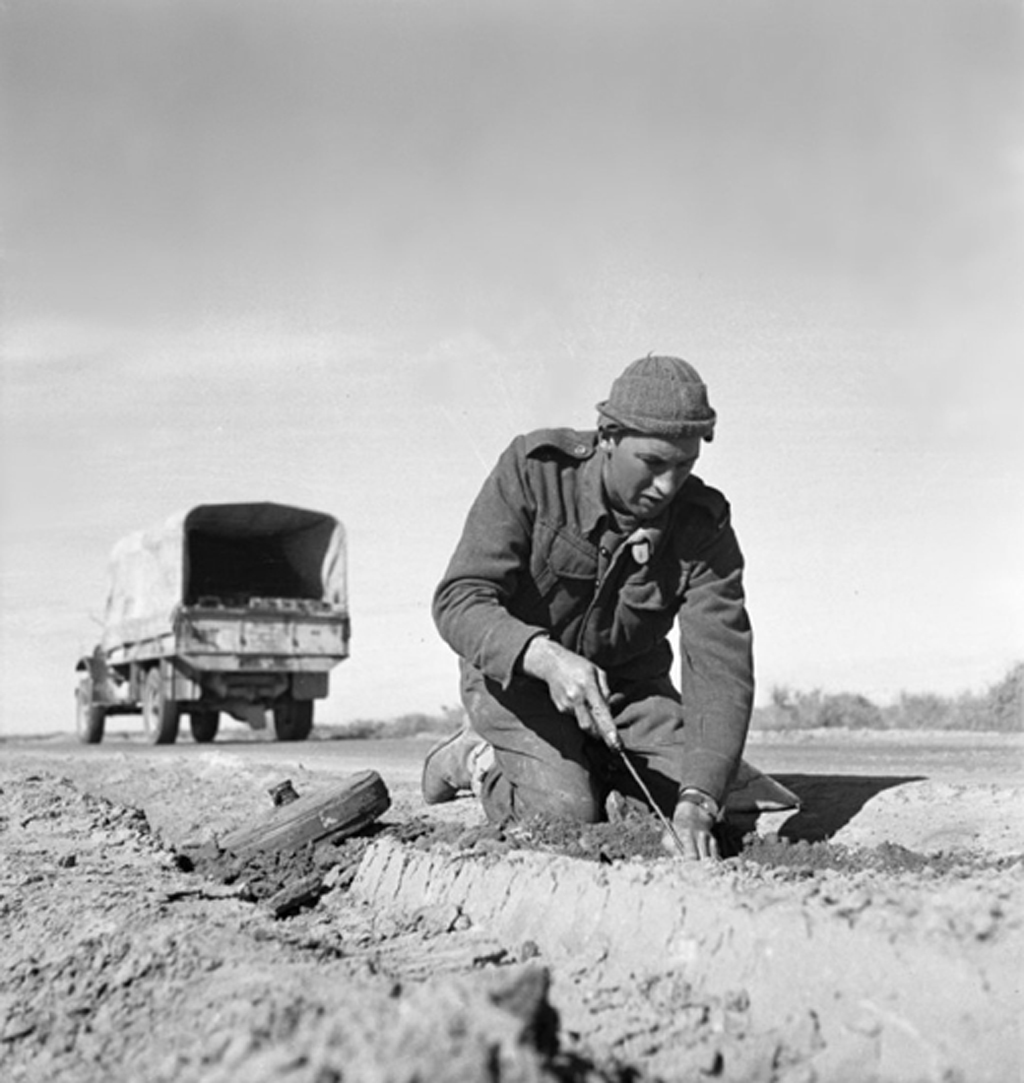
pixel 470 605
pixel 716 656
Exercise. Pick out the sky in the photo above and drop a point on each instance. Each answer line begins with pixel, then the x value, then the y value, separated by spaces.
pixel 337 254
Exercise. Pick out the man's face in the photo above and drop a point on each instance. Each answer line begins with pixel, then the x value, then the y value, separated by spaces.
pixel 642 474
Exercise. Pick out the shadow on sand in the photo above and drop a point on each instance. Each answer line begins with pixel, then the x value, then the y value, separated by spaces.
pixel 829 802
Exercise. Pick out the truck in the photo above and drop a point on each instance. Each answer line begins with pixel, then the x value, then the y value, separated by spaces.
pixel 237 609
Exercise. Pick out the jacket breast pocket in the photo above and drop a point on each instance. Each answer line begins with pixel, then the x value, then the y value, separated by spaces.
pixel 653 590
pixel 563 565
pixel 648 604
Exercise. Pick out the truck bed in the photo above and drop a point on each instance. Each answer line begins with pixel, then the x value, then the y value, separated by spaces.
pixel 289 634
pixel 285 634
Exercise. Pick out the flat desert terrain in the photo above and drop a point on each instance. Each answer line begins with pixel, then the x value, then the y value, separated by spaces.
pixel 875 934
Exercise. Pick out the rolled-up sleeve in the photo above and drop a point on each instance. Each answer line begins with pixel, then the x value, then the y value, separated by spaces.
pixel 470 606
pixel 716 670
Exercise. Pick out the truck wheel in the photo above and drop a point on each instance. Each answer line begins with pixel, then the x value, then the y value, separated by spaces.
pixel 89 719
pixel 293 721
pixel 204 726
pixel 160 715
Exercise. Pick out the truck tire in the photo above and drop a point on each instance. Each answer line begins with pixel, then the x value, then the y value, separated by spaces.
pixel 89 718
pixel 204 725
pixel 293 721
pixel 160 715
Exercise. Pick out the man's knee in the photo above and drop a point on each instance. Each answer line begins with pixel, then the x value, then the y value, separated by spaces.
pixel 576 805
pixel 577 801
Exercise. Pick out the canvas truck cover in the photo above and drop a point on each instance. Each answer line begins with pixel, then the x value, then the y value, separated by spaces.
pixel 223 555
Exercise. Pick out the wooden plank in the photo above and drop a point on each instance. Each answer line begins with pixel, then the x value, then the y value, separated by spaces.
pixel 294 896
pixel 342 810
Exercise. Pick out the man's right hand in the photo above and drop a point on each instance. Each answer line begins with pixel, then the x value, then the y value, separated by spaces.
pixel 576 685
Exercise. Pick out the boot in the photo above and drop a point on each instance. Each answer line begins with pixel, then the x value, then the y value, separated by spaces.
pixel 455 765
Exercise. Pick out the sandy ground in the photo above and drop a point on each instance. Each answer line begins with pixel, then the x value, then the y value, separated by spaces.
pixel 435 951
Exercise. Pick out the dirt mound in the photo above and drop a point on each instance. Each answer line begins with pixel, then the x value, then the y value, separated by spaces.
pixel 120 966
pixel 637 837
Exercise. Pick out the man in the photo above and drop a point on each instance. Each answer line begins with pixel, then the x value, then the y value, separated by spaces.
pixel 579 555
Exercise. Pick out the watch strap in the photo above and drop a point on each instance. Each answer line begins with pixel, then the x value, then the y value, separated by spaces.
pixel 702 800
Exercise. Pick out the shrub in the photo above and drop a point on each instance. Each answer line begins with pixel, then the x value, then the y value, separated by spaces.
pixel 1004 703
pixel 1000 708
pixel 406 725
pixel 925 711
pixel 851 711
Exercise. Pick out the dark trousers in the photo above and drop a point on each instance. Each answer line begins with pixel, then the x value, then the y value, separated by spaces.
pixel 545 765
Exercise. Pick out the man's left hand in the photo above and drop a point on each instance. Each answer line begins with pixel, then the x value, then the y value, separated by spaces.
pixel 694 826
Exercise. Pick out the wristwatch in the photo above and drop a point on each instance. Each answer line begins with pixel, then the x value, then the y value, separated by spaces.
pixel 702 800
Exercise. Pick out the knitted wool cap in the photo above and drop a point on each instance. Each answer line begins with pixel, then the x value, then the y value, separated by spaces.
pixel 661 396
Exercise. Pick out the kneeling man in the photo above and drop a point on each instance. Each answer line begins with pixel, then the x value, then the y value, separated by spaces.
pixel 581 553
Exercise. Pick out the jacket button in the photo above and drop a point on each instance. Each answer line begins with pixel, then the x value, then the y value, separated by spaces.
pixel 580 449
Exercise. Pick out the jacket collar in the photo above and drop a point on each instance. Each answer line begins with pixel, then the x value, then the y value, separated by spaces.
pixel 593 509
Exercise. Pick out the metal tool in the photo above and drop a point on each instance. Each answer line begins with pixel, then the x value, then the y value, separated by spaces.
pixel 605 726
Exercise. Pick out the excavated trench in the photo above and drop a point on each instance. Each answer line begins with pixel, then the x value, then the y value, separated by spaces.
pixel 787 961
pixel 864 977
